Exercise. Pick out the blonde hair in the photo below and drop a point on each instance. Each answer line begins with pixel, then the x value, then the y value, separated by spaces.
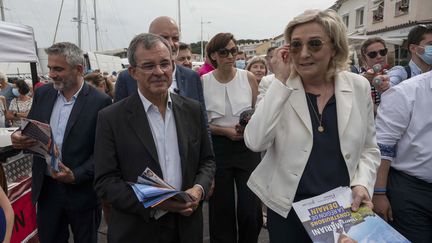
pixel 257 59
pixel 336 31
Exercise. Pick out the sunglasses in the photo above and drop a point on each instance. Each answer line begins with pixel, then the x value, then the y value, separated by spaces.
pixel 313 45
pixel 373 54
pixel 224 52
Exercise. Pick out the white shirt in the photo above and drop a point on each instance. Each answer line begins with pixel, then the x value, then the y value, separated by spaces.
pixel 226 101
pixel 174 86
pixel 404 126
pixel 165 137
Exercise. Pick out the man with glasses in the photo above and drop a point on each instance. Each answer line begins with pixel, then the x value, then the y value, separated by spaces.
pixel 157 129
pixel 185 81
pixel 419 44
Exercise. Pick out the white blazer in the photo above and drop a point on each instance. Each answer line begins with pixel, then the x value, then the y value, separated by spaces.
pixel 282 126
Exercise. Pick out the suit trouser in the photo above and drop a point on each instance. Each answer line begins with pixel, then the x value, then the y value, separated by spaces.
pixel 411 203
pixel 54 217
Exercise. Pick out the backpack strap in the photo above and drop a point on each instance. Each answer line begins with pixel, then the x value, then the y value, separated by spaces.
pixel 408 71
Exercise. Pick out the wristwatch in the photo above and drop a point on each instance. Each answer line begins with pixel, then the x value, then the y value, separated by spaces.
pixel 15 114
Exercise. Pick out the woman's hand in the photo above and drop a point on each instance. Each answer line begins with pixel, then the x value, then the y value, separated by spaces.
pixel 383 84
pixel 360 197
pixel 281 63
pixel 233 134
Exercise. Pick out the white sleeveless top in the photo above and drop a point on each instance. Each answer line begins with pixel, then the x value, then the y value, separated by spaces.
pixel 225 102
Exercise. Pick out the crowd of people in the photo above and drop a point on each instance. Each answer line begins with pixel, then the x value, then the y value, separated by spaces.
pixel 317 124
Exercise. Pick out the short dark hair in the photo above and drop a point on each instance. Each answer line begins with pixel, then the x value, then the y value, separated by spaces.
pixel 22 86
pixel 218 41
pixel 270 50
pixel 369 42
pixel 416 34
pixel 94 78
pixel 184 46
pixel 147 41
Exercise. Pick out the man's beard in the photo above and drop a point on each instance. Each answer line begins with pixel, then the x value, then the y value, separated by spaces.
pixel 62 85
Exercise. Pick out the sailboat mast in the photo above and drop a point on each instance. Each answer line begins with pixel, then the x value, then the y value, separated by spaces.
pixel 79 23
pixel 2 10
pixel 96 26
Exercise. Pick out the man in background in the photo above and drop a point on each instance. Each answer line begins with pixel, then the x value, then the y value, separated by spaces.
pixel 184 57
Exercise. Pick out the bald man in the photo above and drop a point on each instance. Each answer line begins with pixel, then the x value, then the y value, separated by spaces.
pixel 185 81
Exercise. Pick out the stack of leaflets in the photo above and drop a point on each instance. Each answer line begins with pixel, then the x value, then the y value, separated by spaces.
pixel 41 132
pixel 151 190
pixel 329 218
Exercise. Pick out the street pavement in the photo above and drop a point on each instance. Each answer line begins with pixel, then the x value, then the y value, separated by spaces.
pixel 263 237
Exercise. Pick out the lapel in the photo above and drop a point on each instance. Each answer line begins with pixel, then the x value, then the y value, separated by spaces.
pixel 343 93
pixel 298 102
pixel 137 118
pixel 180 79
pixel 48 107
pixel 77 109
pixel 181 120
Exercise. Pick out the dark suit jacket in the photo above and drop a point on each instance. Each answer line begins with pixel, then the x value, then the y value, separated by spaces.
pixel 188 83
pixel 125 147
pixel 78 142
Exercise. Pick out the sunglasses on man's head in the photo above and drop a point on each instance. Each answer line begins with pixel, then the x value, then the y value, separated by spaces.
pixel 313 45
pixel 373 54
pixel 224 52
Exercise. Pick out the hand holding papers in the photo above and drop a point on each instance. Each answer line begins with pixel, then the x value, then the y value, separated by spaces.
pixel 328 218
pixel 151 190
pixel 45 146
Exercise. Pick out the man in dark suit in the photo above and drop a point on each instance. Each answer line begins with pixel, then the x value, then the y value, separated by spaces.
pixel 186 82
pixel 66 198
pixel 162 131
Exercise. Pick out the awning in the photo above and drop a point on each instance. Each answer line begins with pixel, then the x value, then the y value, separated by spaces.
pixel 17 43
pixel 388 40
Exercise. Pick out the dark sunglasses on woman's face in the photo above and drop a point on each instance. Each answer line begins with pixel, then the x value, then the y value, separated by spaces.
pixel 373 54
pixel 224 52
pixel 313 45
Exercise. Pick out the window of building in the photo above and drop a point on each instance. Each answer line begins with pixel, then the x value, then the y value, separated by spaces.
pixel 401 7
pixel 378 11
pixel 345 19
pixel 359 17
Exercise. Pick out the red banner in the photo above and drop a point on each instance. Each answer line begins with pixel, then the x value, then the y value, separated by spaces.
pixel 25 227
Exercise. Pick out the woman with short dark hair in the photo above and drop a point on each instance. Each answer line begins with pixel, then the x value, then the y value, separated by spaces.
pixel 21 104
pixel 229 91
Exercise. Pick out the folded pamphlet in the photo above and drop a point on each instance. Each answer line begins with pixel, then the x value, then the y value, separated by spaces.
pixel 44 148
pixel 151 190
pixel 329 218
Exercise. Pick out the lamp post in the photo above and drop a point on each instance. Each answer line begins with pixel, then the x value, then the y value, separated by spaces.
pixel 202 44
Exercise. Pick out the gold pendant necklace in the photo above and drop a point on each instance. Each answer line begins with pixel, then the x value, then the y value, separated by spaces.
pixel 320 126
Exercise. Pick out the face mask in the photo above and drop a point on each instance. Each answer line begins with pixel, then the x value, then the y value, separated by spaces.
pixel 15 92
pixel 241 64
pixel 427 55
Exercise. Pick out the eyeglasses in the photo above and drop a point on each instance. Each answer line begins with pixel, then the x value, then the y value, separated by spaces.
pixel 373 54
pixel 224 52
pixel 150 67
pixel 313 45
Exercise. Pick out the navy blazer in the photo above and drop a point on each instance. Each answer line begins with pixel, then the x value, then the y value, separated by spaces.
pixel 188 85
pixel 78 142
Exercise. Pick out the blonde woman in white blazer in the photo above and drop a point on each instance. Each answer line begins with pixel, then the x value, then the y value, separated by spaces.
pixel 316 123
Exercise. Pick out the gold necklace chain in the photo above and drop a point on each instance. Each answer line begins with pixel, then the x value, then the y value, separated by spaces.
pixel 320 127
